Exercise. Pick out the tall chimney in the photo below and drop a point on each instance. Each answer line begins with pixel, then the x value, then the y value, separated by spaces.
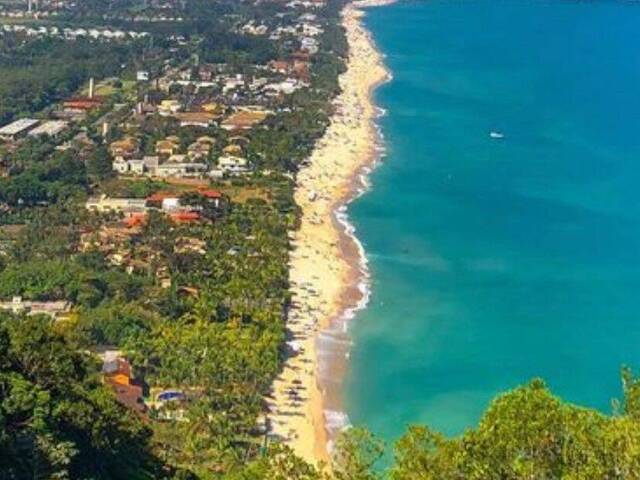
pixel 30 6
pixel 91 87
pixel 105 129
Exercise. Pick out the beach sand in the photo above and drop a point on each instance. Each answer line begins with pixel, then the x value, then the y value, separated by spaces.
pixel 325 264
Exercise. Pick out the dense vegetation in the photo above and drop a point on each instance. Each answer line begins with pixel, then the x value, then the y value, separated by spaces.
pixel 217 331
pixel 37 73
pixel 56 418
pixel 526 433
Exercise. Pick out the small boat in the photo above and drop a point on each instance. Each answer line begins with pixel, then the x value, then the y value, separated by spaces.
pixel 496 135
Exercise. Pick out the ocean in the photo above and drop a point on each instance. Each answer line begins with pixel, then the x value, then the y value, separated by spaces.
pixel 497 260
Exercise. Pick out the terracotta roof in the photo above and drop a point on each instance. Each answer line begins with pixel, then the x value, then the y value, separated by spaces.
pixel 210 193
pixel 183 217
pixel 83 103
pixel 160 196
pixel 135 219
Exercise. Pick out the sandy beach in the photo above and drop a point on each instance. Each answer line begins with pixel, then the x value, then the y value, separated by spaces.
pixel 325 265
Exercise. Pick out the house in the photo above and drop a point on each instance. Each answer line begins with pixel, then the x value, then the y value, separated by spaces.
pixel 231 83
pixel 53 309
pixel 171 201
pixel 232 149
pixel 167 147
pixel 171 169
pixel 151 164
pixel 279 66
pixel 120 165
pixel 107 238
pixel 185 217
pixel 178 158
pixel 164 200
pixel 286 87
pixel 213 196
pixel 186 245
pixel 213 108
pixel 199 150
pixel 196 119
pixel 230 165
pixel 117 373
pixel 169 107
pixel 106 204
pixel 136 167
pixel 135 220
pixel 125 148
pixel 205 139
pixel 244 119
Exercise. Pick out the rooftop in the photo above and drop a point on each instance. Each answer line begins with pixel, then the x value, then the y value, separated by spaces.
pixel 18 126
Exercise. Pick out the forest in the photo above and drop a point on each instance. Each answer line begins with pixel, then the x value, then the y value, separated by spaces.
pixel 41 72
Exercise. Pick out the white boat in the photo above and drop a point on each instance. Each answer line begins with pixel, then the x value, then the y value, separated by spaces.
pixel 496 135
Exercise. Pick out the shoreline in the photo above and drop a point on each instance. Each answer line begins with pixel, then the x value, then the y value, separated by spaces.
pixel 328 268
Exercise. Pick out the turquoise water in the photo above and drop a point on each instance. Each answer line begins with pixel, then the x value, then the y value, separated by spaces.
pixel 495 261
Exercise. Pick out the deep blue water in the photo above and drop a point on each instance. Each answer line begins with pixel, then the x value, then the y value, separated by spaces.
pixel 495 261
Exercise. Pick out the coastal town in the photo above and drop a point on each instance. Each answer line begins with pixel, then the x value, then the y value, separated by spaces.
pixel 148 218
pixel 178 270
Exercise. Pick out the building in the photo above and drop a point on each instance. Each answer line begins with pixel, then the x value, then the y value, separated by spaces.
pixel 172 169
pixel 184 217
pixel 52 309
pixel 167 147
pixel 232 149
pixel 17 129
pixel 82 103
pixel 164 200
pixel 214 108
pixel 171 201
pixel 196 119
pixel 106 204
pixel 117 373
pixel 199 150
pixel 125 148
pixel 213 196
pixel 136 166
pixel 244 120
pixel 230 165
pixel 286 87
pixel 169 107
pixel 52 128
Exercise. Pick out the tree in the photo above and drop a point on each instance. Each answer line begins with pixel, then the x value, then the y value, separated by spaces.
pixel 357 451
pixel 528 433
pixel 56 420
pixel 99 164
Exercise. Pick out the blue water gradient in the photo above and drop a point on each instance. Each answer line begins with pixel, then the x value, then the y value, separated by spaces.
pixel 498 260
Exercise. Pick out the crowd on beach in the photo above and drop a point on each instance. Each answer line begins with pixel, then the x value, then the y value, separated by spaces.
pixel 319 272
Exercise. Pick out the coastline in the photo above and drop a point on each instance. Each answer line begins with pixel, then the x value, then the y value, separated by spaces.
pixel 328 269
